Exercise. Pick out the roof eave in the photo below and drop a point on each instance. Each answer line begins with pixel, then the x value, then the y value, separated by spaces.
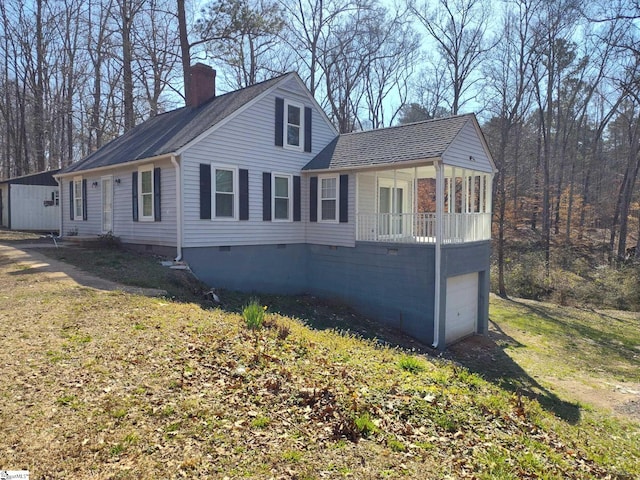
pixel 164 156
pixel 233 115
pixel 377 166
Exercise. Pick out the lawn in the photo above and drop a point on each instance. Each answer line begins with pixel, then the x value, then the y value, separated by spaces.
pixel 112 385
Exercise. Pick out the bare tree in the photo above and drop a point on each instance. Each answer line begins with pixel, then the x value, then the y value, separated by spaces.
pixel 390 68
pixel 309 25
pixel 155 44
pixel 459 29
pixel 554 26
pixel 126 13
pixel 510 92
pixel 244 37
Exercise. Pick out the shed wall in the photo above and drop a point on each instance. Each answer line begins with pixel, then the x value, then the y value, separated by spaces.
pixel 4 205
pixel 28 211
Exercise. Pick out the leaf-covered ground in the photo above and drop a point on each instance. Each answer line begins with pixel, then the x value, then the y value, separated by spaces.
pixel 112 385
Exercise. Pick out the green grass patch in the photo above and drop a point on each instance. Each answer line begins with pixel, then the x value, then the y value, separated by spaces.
pixel 260 422
pixel 154 388
pixel 411 364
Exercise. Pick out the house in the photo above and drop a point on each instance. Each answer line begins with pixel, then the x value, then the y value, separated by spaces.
pixel 30 202
pixel 256 190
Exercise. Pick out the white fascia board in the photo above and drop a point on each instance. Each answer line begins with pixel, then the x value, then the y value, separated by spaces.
pixel 164 156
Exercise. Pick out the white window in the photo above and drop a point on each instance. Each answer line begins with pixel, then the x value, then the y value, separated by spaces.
pixel 293 125
pixel 77 198
pixel 281 204
pixel 225 188
pixel 145 193
pixel 328 199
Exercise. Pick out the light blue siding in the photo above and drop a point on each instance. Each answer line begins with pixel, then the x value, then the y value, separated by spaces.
pixel 467 151
pixel 148 233
pixel 247 142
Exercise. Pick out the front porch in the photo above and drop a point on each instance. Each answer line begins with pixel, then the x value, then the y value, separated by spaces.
pixel 423 205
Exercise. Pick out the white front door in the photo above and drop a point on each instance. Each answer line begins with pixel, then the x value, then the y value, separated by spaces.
pixel 107 204
pixel 392 203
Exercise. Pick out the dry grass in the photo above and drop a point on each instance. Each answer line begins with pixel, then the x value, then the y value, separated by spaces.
pixel 111 385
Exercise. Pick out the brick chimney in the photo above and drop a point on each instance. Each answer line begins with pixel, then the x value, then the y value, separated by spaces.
pixel 203 85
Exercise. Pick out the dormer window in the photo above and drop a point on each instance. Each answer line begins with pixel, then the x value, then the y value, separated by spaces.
pixel 294 125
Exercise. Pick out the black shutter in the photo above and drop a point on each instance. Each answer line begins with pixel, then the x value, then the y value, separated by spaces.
pixel 266 196
pixel 84 198
pixel 307 129
pixel 313 199
pixel 134 195
pixel 296 199
pixel 205 191
pixel 344 198
pixel 71 200
pixel 244 194
pixel 279 121
pixel 157 212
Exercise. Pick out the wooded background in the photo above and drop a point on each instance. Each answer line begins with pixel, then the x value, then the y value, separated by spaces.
pixel 555 85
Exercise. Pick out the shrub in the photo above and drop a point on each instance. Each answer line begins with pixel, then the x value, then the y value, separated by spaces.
pixel 109 240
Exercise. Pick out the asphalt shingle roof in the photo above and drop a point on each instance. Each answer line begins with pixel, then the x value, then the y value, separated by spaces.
pixel 168 132
pixel 415 141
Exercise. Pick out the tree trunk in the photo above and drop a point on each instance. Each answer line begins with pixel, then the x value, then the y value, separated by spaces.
pixel 184 49
pixel 38 94
pixel 126 12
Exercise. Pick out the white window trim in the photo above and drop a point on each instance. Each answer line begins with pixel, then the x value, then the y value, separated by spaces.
pixel 285 119
pixel 102 180
pixel 236 192
pixel 289 178
pixel 141 216
pixel 337 198
pixel 77 195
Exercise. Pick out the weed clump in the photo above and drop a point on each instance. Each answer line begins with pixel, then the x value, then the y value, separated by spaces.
pixel 253 314
pixel 411 364
pixel 364 424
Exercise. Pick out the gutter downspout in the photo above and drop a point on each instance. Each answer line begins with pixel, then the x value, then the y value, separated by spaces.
pixel 61 210
pixel 439 233
pixel 176 165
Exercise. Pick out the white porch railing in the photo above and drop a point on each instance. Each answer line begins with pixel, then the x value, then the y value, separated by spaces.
pixel 421 227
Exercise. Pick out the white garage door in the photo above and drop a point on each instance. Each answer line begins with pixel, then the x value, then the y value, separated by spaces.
pixel 462 306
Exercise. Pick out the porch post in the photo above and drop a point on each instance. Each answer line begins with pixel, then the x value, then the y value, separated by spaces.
pixel 472 200
pixel 489 202
pixel 482 200
pixel 438 245
pixel 489 193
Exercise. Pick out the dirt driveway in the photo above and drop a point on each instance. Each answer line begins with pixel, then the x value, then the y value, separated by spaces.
pixel 23 254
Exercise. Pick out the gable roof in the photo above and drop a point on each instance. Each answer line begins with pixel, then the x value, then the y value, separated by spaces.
pixel 41 178
pixel 168 132
pixel 392 145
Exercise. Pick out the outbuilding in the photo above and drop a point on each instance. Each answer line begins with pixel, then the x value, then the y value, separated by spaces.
pixel 30 202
